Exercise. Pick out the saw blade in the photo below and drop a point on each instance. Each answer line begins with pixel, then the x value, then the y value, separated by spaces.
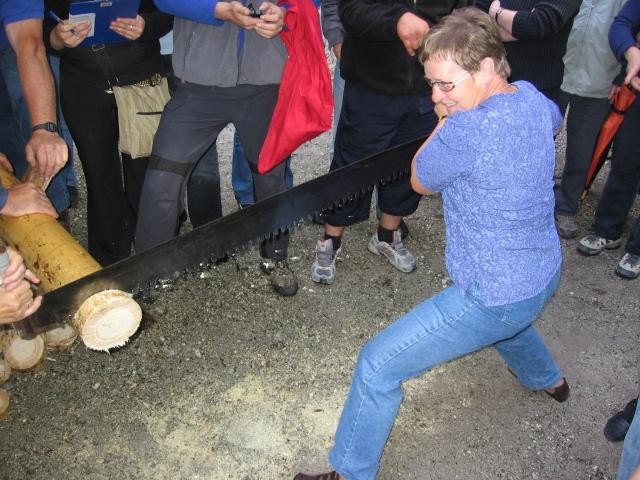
pixel 208 243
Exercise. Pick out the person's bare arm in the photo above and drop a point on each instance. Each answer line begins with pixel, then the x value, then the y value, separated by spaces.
pixel 45 150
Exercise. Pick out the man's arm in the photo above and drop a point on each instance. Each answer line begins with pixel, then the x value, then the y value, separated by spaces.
pixel 331 25
pixel 547 18
pixel 45 150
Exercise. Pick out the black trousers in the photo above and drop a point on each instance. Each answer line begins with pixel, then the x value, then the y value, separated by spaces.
pixel 193 117
pixel 370 123
pixel 621 188
pixel 114 181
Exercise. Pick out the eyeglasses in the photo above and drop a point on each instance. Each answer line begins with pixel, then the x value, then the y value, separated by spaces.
pixel 447 86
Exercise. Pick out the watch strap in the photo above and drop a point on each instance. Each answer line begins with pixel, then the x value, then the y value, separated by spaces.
pixel 48 126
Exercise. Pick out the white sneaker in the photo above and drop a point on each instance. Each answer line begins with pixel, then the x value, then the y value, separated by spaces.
pixel 323 269
pixel 593 244
pixel 629 266
pixel 396 252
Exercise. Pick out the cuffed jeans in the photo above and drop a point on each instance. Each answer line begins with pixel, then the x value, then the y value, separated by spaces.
pixel 630 459
pixel 621 187
pixel 447 326
pixel 584 120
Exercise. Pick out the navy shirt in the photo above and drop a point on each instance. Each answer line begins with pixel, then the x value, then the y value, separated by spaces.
pixel 622 34
pixel 494 165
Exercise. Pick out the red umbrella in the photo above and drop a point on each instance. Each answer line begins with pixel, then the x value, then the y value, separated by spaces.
pixel 621 103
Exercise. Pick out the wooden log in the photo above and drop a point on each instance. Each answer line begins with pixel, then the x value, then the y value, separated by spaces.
pixel 61 338
pixel 5 371
pixel 107 319
pixel 24 355
pixel 58 259
pixel 47 248
pixel 5 404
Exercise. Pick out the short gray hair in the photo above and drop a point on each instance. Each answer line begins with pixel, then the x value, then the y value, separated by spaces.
pixel 466 37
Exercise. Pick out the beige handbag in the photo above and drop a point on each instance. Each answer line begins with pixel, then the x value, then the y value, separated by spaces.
pixel 139 109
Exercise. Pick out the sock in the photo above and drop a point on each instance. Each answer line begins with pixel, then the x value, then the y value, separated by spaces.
pixel 385 235
pixel 336 241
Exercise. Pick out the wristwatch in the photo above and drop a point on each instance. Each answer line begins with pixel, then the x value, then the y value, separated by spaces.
pixel 48 126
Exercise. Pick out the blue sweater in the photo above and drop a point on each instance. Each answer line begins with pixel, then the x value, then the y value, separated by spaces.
pixel 494 166
pixel 623 29
pixel 12 11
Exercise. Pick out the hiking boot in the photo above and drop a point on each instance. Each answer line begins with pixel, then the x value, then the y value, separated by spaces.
pixel 628 266
pixel 593 244
pixel 396 252
pixel 566 226
pixel 323 269
pixel 282 278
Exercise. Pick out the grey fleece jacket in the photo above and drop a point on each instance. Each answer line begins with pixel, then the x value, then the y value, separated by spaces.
pixel 224 55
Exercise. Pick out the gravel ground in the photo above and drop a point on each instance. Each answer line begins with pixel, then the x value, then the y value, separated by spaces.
pixel 232 382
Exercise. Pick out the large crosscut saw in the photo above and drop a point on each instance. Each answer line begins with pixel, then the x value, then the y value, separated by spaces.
pixel 204 245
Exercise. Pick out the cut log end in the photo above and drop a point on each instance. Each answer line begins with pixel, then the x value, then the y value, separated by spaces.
pixel 24 355
pixel 5 371
pixel 107 320
pixel 5 404
pixel 61 338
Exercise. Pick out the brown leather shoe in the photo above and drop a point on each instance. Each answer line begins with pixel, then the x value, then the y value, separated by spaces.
pixel 559 393
pixel 323 476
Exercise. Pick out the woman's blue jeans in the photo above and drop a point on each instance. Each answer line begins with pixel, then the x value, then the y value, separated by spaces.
pixel 630 459
pixel 449 325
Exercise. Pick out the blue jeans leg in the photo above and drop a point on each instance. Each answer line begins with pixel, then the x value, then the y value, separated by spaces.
pixel 241 177
pixel 447 326
pixel 11 142
pixel 630 459
pixel 67 173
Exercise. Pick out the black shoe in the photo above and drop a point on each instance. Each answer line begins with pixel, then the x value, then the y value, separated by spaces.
pixel 616 428
pixel 560 393
pixel 282 278
pixel 323 476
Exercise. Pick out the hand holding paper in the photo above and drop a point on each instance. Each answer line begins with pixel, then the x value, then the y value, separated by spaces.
pixel 68 34
pixel 129 28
